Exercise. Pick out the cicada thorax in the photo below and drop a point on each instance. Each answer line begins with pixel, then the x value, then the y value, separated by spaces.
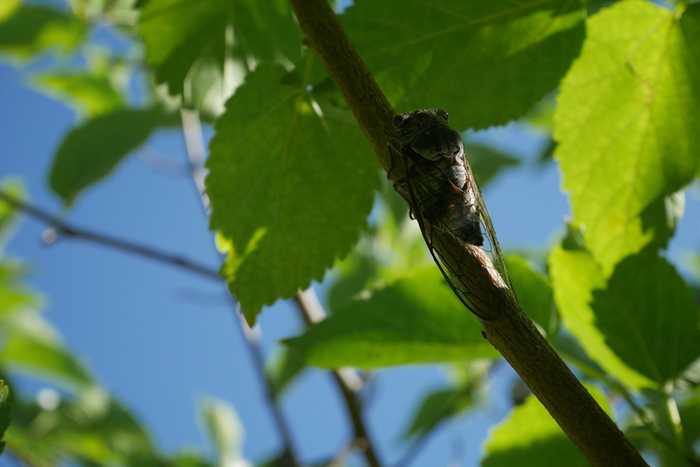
pixel 440 180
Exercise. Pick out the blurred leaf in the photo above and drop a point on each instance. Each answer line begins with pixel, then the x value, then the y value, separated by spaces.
pixel 226 431
pixel 436 407
pixel 530 436
pixel 574 276
pixel 487 162
pixel 648 317
pixel 14 188
pixel 42 357
pixel 91 151
pixel 495 59
pixel 181 35
pixel 626 123
pixel 283 369
pixel 417 319
pixel 7 8
pixel 534 292
pixel 290 188
pixel 188 460
pixel 94 95
pixel 35 28
pixel 353 275
pixel 5 411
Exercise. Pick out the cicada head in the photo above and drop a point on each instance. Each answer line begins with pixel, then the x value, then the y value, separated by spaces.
pixel 428 134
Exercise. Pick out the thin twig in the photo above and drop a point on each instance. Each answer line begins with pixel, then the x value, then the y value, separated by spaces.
pixel 72 231
pixel 346 379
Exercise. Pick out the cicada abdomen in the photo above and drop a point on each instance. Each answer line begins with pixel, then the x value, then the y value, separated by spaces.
pixel 440 187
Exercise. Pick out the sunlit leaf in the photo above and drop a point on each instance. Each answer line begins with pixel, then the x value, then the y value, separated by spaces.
pixel 35 28
pixel 530 436
pixel 91 151
pixel 417 319
pixel 290 187
pixel 484 62
pixel 627 124
pixel 93 95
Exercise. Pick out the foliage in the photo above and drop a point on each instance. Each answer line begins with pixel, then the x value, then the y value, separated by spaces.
pixel 292 184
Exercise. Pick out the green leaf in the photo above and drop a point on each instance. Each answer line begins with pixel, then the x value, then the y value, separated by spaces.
pixel 648 317
pixel 5 410
pixel 181 35
pixel 534 292
pixel 225 429
pixel 14 188
pixel 44 358
pixel 487 162
pixel 627 124
pixel 93 94
pixel 484 62
pixel 530 436
pixel 417 319
pixel 436 407
pixel 33 28
pixel 574 276
pixel 283 369
pixel 91 151
pixel 640 325
pixel 290 187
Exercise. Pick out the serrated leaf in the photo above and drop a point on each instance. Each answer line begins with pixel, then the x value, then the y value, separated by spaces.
pixel 44 358
pixel 35 28
pixel 417 319
pixel 627 124
pixel 648 317
pixel 180 35
pixel 93 95
pixel 91 151
pixel 530 436
pixel 436 407
pixel 5 412
pixel 290 187
pixel 283 369
pixel 534 292
pixel 484 62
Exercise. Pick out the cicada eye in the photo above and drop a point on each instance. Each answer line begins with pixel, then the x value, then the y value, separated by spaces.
pixel 398 120
pixel 443 114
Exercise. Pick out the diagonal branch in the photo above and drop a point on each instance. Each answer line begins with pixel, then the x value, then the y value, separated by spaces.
pixel 508 329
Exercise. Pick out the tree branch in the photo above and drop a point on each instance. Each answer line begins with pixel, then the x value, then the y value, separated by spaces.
pixel 507 328
pixel 68 230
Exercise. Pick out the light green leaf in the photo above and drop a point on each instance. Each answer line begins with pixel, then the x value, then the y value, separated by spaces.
pixel 42 357
pixel 530 436
pixel 417 319
pixel 574 276
pixel 534 292
pixel 484 62
pixel 34 28
pixel 226 431
pixel 94 95
pixel 5 411
pixel 91 151
pixel 290 187
pixel 14 188
pixel 181 36
pixel 627 124
pixel 436 407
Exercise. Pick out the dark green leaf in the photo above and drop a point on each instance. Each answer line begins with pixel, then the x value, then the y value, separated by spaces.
pixel 534 292
pixel 487 162
pixel 35 28
pixel 181 34
pixel 417 319
pixel 648 317
pixel 283 369
pixel 484 62
pixel 94 95
pixel 530 436
pixel 354 274
pixel 436 407
pixel 627 124
pixel 5 411
pixel 290 187
pixel 91 151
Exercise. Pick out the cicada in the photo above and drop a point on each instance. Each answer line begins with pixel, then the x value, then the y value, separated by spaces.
pixel 440 188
